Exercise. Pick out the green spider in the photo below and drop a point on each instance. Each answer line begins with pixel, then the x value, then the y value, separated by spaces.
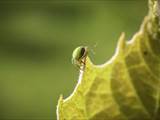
pixel 79 56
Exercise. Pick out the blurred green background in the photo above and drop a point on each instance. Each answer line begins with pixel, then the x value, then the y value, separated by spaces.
pixel 36 44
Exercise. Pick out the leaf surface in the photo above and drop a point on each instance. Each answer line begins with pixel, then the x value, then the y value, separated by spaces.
pixel 125 88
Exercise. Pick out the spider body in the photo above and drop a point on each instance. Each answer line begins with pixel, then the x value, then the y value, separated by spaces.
pixel 79 56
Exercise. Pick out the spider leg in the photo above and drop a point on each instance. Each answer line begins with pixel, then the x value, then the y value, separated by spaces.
pixel 83 62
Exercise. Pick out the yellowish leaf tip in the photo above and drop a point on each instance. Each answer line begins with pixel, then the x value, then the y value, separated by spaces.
pixel 121 42
pixel 59 107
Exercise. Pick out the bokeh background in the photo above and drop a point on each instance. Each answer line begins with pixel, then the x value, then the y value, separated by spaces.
pixel 36 43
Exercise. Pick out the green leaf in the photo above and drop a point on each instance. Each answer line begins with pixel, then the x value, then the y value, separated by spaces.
pixel 125 88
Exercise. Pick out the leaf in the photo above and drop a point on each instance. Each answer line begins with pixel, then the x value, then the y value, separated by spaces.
pixel 125 88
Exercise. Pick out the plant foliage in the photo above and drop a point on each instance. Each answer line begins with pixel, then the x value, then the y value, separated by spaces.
pixel 125 88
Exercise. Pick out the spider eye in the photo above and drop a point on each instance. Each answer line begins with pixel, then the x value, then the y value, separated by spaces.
pixel 82 52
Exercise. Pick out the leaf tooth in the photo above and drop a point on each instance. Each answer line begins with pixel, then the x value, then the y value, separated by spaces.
pixel 59 111
pixel 132 56
pixel 121 43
